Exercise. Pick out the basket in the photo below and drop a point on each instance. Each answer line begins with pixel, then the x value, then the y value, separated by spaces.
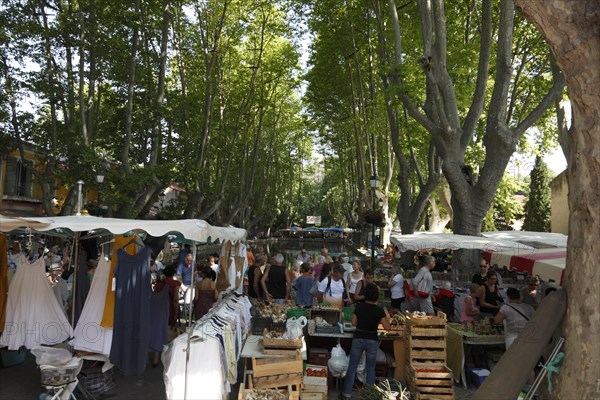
pixel 53 375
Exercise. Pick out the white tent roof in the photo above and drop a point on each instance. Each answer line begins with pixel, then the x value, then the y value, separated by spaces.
pixel 531 238
pixel 428 240
pixel 191 229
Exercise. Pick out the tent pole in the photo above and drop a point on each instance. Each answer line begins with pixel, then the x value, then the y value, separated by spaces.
pixel 75 261
pixel 189 321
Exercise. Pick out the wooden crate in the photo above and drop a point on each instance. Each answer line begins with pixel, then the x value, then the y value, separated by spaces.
pixel 304 395
pixel 430 384
pixel 277 372
pixel 280 345
pixel 290 394
pixel 314 392
pixel 436 396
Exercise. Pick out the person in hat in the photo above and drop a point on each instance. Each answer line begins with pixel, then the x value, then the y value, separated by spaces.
pixel 59 285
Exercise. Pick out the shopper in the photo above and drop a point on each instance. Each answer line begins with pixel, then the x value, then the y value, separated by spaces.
pixel 396 285
pixel 367 317
pixel 303 284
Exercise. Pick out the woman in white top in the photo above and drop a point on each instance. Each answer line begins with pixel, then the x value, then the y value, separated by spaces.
pixel 353 278
pixel 396 285
pixel 515 315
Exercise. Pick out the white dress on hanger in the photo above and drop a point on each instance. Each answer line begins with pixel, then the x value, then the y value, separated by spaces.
pixel 89 335
pixel 33 315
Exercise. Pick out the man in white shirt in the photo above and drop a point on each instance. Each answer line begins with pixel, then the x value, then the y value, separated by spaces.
pixel 333 289
pixel 423 286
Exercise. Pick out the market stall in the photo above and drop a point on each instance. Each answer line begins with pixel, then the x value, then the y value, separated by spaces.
pixel 84 227
pixel 548 264
pixel 464 340
pixel 429 240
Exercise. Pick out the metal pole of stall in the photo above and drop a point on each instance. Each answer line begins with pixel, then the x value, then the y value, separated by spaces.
pixel 75 262
pixel 189 321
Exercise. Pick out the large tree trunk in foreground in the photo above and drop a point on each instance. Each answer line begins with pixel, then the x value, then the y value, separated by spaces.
pixel 572 29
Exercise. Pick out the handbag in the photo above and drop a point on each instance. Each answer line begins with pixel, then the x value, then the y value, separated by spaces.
pixel 423 289
pixel 408 292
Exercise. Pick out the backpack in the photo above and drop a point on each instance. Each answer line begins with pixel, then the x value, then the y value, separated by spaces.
pixel 344 295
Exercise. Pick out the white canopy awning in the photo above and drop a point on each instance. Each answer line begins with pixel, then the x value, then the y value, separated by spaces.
pixel 191 229
pixel 428 240
pixel 534 239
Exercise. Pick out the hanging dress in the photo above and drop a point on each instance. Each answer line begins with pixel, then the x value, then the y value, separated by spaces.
pixel 33 315
pixel 131 330
pixel 109 304
pixel 159 319
pixel 89 335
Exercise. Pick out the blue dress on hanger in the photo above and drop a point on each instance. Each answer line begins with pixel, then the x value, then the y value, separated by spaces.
pixel 131 330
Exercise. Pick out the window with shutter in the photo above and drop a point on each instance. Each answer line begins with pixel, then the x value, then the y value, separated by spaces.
pixel 19 176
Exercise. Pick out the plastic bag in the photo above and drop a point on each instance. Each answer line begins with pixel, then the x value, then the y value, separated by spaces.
pixel 338 363
pixel 51 355
pixel 294 327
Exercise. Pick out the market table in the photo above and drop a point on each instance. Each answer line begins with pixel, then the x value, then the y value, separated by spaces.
pixel 460 345
pixel 253 348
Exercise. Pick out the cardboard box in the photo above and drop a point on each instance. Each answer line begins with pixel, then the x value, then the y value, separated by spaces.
pixel 315 380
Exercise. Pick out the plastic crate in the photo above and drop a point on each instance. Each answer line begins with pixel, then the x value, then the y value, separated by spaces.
pixel 11 358
pixel 335 329
pixel 318 356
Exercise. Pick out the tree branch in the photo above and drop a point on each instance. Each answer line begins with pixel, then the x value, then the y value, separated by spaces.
pixel 477 104
pixel 541 108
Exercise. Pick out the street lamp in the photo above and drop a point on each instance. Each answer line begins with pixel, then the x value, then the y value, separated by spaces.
pixel 100 180
pixel 79 185
pixel 374 183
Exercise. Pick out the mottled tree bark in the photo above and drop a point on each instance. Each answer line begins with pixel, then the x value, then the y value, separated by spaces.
pixel 572 29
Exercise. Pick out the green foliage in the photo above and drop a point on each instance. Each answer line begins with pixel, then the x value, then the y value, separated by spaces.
pixel 507 207
pixel 538 207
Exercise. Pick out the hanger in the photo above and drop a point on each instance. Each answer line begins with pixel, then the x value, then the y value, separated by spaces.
pixel 135 240
pixel 110 241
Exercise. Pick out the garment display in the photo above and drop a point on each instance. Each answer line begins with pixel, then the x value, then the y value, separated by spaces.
pixel 109 304
pixel 232 267
pixel 131 330
pixel 89 335
pixel 82 287
pixel 3 279
pixel 218 338
pixel 159 319
pixel 33 315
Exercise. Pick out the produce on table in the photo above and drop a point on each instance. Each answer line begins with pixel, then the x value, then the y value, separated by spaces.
pixel 320 372
pixel 277 312
pixel 266 394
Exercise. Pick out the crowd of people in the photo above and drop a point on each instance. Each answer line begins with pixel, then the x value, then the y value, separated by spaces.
pixel 513 310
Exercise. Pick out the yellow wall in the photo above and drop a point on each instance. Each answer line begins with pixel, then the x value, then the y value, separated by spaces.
pixel 559 203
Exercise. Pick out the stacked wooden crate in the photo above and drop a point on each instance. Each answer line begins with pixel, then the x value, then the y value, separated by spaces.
pixel 315 383
pixel 282 373
pixel 426 373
